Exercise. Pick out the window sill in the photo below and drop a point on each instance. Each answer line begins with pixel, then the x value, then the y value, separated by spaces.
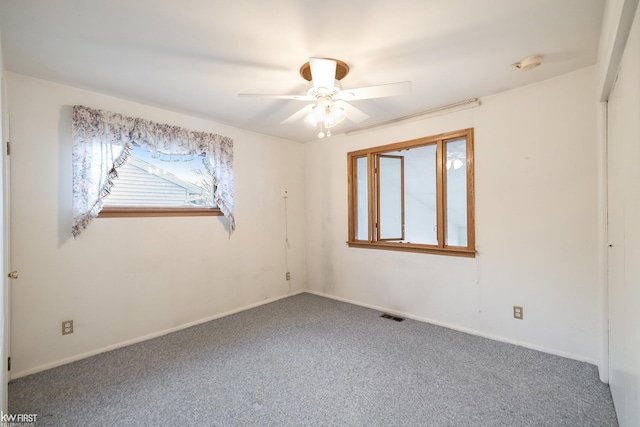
pixel 413 247
pixel 137 211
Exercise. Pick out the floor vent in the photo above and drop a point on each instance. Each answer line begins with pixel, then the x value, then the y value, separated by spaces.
pixel 392 317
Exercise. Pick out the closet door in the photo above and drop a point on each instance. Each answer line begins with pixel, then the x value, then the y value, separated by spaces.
pixel 623 163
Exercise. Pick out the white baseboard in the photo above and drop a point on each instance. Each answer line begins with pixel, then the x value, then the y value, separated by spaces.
pixel 461 329
pixel 77 357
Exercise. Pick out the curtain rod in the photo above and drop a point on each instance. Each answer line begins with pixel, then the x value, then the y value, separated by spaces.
pixel 445 109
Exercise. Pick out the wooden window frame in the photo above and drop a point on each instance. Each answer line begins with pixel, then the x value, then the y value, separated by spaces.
pixel 378 224
pixel 373 210
pixel 149 211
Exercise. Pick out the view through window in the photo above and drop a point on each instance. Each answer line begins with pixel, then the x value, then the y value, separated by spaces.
pixel 166 183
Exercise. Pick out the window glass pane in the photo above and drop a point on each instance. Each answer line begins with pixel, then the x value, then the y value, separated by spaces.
pixel 456 193
pixel 147 181
pixel 391 209
pixel 420 195
pixel 361 200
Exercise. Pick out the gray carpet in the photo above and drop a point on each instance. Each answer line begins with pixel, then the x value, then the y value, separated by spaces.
pixel 312 361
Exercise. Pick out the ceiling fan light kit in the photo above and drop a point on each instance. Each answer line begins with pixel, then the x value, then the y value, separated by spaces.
pixel 325 91
pixel 327 113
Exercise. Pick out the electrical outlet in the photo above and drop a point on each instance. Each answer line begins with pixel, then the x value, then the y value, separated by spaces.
pixel 517 312
pixel 67 327
pixel 288 276
pixel 285 193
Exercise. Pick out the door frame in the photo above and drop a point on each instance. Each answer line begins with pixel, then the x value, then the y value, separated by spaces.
pixel 5 251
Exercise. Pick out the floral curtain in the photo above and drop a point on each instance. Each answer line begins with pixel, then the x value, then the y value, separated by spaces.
pixel 101 144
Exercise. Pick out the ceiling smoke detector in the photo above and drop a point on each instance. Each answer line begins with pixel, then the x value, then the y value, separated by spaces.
pixel 528 63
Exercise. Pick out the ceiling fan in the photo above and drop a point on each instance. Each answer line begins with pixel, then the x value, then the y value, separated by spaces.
pixel 328 100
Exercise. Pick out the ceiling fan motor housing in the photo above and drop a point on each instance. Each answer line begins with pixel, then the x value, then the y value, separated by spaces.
pixel 342 69
pixel 319 92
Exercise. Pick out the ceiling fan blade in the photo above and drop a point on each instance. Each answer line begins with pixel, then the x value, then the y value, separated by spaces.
pixel 298 114
pixel 354 114
pixel 379 91
pixel 323 72
pixel 273 96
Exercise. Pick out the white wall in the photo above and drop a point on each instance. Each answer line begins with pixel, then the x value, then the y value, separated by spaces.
pixel 125 279
pixel 536 212
pixel 624 233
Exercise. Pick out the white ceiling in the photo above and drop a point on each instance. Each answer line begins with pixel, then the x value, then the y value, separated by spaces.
pixel 195 56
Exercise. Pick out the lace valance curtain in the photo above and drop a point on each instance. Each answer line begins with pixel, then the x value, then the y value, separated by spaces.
pixel 102 141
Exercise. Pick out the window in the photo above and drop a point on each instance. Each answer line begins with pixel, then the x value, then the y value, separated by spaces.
pixel 149 184
pixel 103 141
pixel 414 195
